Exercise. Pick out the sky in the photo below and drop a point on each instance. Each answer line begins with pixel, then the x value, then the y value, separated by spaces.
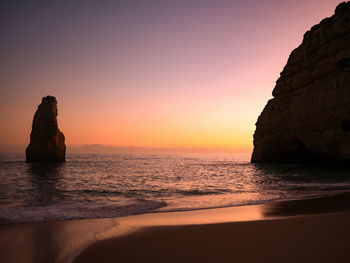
pixel 153 74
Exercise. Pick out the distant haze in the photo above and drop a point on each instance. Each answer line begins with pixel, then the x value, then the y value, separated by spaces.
pixel 149 74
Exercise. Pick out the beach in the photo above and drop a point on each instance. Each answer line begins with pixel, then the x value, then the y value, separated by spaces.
pixel 310 230
pixel 317 238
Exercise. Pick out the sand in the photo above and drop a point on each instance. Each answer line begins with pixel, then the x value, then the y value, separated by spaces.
pixel 314 230
pixel 317 238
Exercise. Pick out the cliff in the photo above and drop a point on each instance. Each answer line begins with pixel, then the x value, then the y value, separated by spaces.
pixel 46 140
pixel 308 120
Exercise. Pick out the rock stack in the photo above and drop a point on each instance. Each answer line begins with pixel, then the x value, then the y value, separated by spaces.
pixel 46 140
pixel 308 120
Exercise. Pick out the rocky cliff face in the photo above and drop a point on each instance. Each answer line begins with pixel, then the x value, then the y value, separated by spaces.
pixel 308 120
pixel 46 140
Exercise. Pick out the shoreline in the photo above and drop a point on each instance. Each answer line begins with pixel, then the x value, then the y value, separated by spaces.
pixel 62 241
pixel 314 198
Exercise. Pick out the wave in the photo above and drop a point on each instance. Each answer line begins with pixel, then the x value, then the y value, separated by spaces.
pixel 76 211
pixel 94 192
pixel 203 192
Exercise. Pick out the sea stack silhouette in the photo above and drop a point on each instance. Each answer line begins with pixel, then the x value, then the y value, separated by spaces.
pixel 308 120
pixel 46 140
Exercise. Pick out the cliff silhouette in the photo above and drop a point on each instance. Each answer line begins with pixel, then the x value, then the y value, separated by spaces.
pixel 308 120
pixel 46 140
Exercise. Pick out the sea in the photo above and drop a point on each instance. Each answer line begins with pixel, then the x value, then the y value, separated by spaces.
pixel 117 185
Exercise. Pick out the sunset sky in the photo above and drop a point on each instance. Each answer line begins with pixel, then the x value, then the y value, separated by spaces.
pixel 147 73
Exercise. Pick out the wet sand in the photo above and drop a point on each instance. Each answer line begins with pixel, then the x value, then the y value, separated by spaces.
pixel 317 238
pixel 313 230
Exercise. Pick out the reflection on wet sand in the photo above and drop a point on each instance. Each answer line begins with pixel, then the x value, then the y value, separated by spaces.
pixel 52 242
